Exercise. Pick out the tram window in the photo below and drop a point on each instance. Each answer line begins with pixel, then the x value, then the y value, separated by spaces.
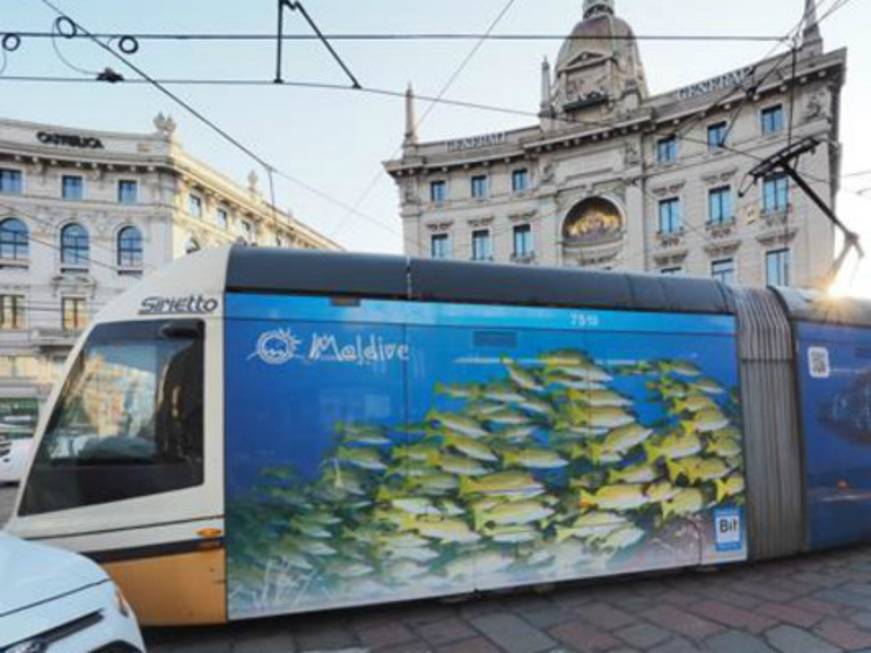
pixel 129 421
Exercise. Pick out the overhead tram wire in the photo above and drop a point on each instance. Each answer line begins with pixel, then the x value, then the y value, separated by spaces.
pixel 385 92
pixel 57 32
pixel 268 167
pixel 175 98
pixel 791 35
pixel 91 261
pixel 861 173
pixel 444 89
pixel 377 222
pixel 440 95
pixel 391 93
pixel 688 228
pixel 411 36
pixel 364 90
pixel 396 231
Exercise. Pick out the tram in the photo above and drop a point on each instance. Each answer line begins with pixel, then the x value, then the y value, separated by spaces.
pixel 255 432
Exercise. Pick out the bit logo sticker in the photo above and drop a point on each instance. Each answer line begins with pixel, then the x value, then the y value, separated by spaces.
pixel 728 529
pixel 818 362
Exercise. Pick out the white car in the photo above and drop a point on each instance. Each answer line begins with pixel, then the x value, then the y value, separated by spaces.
pixel 54 601
pixel 14 453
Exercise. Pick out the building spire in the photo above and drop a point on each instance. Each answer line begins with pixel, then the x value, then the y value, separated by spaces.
pixel 811 37
pixel 546 107
pixel 410 139
pixel 593 7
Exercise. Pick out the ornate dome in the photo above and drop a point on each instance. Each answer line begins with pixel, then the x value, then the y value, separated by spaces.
pixel 594 35
pixel 599 62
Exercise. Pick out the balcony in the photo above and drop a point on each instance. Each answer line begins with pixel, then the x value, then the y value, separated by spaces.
pixel 720 228
pixel 671 248
pixel 721 238
pixel 777 227
pixel 670 239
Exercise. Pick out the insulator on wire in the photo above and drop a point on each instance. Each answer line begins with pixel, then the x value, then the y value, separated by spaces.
pixel 66 27
pixel 10 42
pixel 128 44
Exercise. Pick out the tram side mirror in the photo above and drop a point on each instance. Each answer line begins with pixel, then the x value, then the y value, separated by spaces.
pixel 182 330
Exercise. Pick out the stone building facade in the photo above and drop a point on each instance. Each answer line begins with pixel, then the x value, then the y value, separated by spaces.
pixel 83 215
pixel 612 177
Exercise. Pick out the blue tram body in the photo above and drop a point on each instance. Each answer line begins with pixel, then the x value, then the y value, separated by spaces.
pixel 345 430
pixel 834 380
pixel 354 391
pixel 398 430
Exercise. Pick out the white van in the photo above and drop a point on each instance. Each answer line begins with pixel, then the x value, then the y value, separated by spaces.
pixel 14 452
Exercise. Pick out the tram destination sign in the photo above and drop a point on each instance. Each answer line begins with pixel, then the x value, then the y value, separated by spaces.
pixel 70 140
pixel 192 304
pixel 731 79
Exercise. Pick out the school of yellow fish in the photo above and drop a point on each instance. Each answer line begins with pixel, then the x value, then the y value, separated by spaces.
pixel 537 475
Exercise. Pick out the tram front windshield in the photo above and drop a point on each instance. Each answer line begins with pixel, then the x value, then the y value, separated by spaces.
pixel 128 422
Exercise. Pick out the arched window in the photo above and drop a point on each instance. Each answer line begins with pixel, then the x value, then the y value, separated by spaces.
pixel 14 240
pixel 74 245
pixel 130 247
pixel 191 246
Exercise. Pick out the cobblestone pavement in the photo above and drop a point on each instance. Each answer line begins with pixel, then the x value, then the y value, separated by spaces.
pixel 7 502
pixel 811 604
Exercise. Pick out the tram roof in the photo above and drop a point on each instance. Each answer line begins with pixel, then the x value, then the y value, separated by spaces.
pixel 815 306
pixel 284 271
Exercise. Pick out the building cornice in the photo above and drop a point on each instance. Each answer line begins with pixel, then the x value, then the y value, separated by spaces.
pixel 828 66
pixel 665 109
pixel 158 152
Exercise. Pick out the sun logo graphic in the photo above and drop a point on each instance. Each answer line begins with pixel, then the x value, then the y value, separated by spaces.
pixel 276 347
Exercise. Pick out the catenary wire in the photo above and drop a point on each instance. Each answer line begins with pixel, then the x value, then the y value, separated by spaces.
pixel 792 34
pixel 373 182
pixel 409 36
pixel 329 198
pixel 192 110
pixel 269 168
pixel 416 242
pixel 392 93
pixel 364 90
pixel 484 107
pixel 55 33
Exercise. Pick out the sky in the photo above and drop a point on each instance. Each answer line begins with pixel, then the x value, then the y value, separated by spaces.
pixel 332 143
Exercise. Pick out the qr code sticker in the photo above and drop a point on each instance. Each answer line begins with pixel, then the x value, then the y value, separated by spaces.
pixel 818 362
